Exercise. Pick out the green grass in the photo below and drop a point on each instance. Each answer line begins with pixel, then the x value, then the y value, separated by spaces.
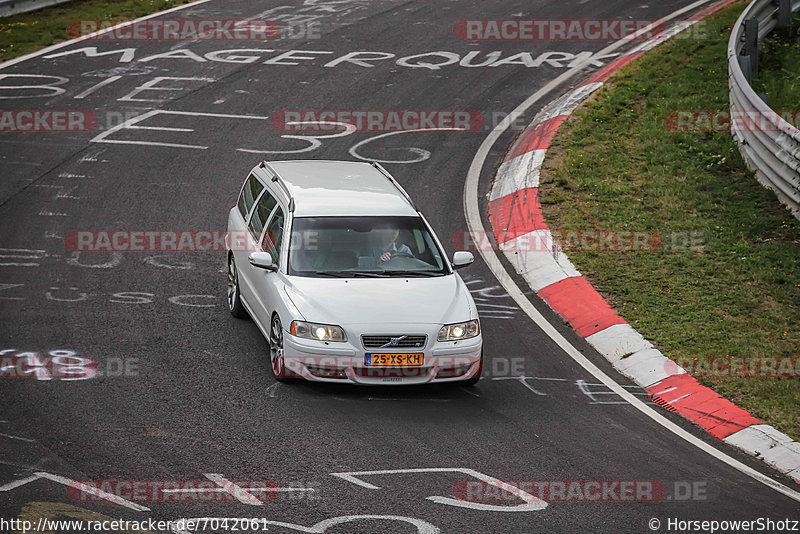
pixel 779 68
pixel 615 165
pixel 28 32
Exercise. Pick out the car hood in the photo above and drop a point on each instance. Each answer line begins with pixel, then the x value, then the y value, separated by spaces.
pixel 435 300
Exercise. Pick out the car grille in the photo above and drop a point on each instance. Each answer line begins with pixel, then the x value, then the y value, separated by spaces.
pixel 408 342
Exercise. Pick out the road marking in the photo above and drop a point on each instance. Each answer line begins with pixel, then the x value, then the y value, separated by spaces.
pixel 43 515
pixel 96 87
pixel 58 46
pixel 475 224
pixel 9 436
pixel 422 154
pixel 77 485
pixel 584 387
pixel 224 486
pixel 3 287
pixel 531 503
pixel 131 123
pixel 20 254
pixel 271 390
pixel 423 527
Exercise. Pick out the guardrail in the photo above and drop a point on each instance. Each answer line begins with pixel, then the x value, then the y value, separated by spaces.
pixel 772 148
pixel 14 7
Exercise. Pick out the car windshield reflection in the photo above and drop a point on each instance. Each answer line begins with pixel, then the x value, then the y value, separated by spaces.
pixel 368 247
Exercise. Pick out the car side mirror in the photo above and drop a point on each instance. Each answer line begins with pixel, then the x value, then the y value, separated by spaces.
pixel 462 259
pixel 262 260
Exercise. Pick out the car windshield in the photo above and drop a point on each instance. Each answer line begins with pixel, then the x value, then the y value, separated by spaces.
pixel 363 247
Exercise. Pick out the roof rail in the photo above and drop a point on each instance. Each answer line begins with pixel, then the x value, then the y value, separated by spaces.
pixel 278 180
pixel 383 171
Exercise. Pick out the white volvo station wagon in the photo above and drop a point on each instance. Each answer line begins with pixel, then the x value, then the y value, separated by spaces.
pixel 346 280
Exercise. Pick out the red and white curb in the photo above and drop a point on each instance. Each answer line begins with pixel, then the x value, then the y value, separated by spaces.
pixel 517 221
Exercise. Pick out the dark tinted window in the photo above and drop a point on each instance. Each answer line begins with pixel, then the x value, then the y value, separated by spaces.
pixel 252 188
pixel 364 246
pixel 261 214
pixel 273 237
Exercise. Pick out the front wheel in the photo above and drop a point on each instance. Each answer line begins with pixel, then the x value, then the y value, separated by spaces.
pixel 474 380
pixel 234 296
pixel 276 360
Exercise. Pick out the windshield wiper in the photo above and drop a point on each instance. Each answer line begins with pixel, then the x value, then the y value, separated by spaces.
pixel 335 274
pixel 351 274
pixel 412 273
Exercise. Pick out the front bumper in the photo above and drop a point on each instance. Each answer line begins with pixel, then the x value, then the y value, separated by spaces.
pixel 451 361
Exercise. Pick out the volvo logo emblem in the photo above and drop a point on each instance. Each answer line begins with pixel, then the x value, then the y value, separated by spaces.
pixel 394 341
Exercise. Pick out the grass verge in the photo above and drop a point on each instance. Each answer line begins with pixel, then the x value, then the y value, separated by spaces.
pixel 27 32
pixel 735 290
pixel 779 68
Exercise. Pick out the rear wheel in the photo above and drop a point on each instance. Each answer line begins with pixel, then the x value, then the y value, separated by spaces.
pixel 276 360
pixel 234 296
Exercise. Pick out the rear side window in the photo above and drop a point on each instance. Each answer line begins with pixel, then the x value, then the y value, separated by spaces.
pixel 261 214
pixel 252 188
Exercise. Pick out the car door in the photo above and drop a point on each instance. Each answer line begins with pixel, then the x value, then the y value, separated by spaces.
pixel 267 285
pixel 249 242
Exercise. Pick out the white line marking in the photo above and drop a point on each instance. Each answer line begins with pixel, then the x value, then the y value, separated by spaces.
pixel 224 486
pixel 423 527
pixel 666 390
pixel 531 503
pixel 475 224
pixel 17 437
pixel 22 253
pixel 130 124
pixel 58 46
pixel 679 398
pixel 271 390
pixel 94 88
pixel 77 486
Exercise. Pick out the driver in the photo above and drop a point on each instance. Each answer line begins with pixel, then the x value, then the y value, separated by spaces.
pixel 389 246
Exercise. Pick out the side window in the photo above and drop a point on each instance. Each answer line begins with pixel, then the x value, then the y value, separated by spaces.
pixel 252 188
pixel 273 237
pixel 261 214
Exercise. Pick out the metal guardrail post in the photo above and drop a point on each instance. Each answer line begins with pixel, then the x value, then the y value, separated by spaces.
pixel 751 46
pixel 744 64
pixel 784 14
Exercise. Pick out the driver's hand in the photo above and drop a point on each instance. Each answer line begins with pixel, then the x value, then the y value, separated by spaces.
pixel 385 256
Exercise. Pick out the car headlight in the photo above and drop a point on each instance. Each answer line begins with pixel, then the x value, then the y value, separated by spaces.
pixel 458 331
pixel 320 332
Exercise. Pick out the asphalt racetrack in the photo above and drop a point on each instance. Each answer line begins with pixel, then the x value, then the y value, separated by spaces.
pixel 184 391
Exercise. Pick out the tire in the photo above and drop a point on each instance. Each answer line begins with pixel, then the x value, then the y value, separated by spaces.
pixel 474 380
pixel 276 362
pixel 235 305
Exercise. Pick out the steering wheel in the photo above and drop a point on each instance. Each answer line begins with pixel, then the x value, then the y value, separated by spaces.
pixel 401 254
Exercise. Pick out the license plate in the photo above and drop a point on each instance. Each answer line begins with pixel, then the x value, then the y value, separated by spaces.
pixel 382 359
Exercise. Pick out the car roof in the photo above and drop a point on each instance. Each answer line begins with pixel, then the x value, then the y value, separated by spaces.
pixel 341 188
